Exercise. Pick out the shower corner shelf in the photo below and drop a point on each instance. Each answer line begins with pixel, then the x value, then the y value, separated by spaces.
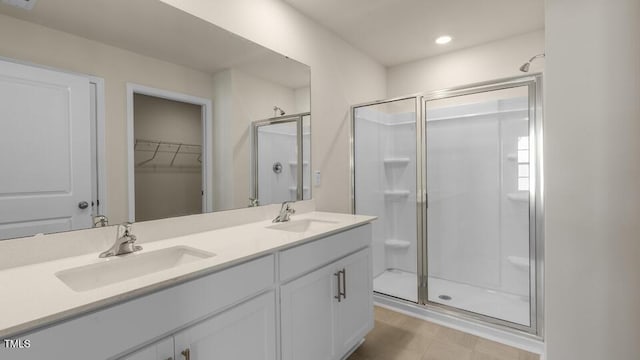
pixel 512 156
pixel 295 163
pixel 396 161
pixel 397 244
pixel 295 188
pixel 522 196
pixel 396 194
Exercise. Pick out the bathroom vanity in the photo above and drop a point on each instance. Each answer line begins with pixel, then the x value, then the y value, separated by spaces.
pixel 295 290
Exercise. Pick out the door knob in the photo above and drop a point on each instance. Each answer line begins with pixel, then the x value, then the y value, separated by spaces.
pixel 83 205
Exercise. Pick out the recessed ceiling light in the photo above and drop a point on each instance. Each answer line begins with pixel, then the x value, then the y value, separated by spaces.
pixel 445 39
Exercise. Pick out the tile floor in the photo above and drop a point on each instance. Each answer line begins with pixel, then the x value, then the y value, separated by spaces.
pixel 400 337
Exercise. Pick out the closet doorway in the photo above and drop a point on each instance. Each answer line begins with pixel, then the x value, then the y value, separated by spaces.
pixel 169 161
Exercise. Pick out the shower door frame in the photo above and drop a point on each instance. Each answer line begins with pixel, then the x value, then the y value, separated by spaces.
pixel 536 197
pixel 298 119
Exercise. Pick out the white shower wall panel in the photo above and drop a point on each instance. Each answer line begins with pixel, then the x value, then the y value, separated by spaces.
pixel 474 224
pixel 463 219
pixel 368 178
pixel 274 147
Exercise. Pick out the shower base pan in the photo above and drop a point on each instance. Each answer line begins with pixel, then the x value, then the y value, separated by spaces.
pixel 504 306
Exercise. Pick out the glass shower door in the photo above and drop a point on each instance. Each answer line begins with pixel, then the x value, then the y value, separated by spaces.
pixel 479 181
pixel 384 185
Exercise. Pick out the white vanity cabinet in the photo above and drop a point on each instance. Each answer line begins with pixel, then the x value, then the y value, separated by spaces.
pixel 313 300
pixel 161 350
pixel 245 332
pixel 223 336
pixel 326 312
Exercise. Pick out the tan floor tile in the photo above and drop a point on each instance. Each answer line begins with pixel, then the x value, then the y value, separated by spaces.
pixel 400 337
pixel 525 355
pixel 439 350
pixel 496 350
pixel 387 316
pixel 393 353
pixel 419 326
pixel 456 337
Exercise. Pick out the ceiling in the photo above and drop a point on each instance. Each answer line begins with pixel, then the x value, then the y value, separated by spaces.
pixel 399 31
pixel 158 30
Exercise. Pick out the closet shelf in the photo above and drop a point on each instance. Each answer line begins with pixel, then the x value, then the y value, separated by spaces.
pixel 163 154
pixel 397 161
pixel 521 196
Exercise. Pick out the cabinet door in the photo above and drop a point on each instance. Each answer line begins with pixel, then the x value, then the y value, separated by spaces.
pixel 245 332
pixel 161 350
pixel 354 313
pixel 307 307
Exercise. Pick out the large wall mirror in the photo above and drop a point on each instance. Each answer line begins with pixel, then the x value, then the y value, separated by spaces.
pixel 137 111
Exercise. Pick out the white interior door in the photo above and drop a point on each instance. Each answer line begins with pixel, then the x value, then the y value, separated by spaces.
pixel 45 151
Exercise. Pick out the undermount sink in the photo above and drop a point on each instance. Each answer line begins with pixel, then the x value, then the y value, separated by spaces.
pixel 303 225
pixel 118 269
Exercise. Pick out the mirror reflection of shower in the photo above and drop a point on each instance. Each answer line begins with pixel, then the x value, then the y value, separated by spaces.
pixel 277 111
pixel 281 159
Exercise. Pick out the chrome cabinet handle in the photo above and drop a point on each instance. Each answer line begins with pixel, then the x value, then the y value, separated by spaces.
pixel 186 353
pixel 344 283
pixel 340 275
pixel 338 281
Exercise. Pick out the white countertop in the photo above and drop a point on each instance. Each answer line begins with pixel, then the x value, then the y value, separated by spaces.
pixel 32 296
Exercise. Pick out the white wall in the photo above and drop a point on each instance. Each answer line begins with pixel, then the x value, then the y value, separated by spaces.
pixel 340 76
pixel 494 60
pixel 592 178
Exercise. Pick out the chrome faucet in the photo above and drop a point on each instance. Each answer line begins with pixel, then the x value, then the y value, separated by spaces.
pixel 124 244
pixel 100 221
pixel 285 212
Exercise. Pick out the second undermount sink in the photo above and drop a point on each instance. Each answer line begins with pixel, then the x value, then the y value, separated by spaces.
pixel 118 269
pixel 303 225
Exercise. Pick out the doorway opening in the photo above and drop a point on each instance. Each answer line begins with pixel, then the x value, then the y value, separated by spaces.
pixel 169 154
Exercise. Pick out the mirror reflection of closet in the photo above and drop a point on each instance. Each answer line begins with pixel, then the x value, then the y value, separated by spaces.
pixel 168 158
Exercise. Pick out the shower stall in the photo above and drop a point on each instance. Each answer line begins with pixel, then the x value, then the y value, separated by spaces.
pixel 454 178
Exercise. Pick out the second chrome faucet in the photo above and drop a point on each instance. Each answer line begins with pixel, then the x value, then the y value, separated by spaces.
pixel 285 212
pixel 125 242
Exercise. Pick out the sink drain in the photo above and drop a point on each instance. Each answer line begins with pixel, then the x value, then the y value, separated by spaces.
pixel 444 297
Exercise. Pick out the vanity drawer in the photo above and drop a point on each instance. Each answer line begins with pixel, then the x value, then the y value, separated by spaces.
pixel 306 257
pixel 125 326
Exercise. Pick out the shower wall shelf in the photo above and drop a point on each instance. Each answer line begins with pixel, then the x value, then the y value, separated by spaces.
pixel 295 163
pixel 512 156
pixel 396 194
pixel 397 244
pixel 522 196
pixel 397 161
pixel 163 154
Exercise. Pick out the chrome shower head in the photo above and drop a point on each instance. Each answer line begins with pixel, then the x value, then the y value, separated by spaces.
pixel 277 111
pixel 525 66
